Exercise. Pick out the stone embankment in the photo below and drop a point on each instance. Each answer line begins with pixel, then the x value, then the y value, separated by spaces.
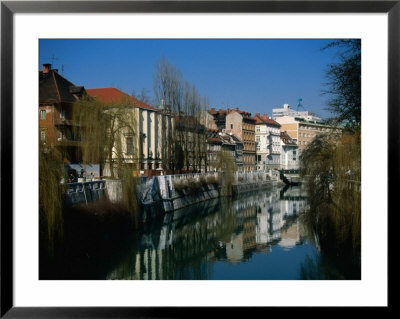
pixel 177 191
pixel 173 192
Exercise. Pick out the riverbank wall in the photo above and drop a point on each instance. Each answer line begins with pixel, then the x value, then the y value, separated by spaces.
pixel 173 192
pixel 168 193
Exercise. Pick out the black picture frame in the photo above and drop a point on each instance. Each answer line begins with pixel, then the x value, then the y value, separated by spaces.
pixel 9 8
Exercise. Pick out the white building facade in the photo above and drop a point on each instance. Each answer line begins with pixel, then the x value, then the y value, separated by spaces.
pixel 139 129
pixel 268 145
pixel 303 132
pixel 152 123
pixel 289 152
pixel 288 111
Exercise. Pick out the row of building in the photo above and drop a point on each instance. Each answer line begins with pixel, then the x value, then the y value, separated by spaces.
pixel 252 142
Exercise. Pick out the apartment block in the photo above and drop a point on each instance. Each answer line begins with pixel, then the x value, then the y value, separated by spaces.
pixel 267 138
pixel 304 131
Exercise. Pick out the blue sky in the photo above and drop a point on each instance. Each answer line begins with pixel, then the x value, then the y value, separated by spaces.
pixel 254 75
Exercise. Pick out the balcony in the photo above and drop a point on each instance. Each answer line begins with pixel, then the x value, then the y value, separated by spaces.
pixel 61 122
pixel 67 142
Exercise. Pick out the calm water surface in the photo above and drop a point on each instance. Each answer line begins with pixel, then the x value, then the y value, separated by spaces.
pixel 256 236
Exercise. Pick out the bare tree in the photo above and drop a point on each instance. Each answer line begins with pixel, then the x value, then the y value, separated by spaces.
pixel 168 94
pixel 180 100
pixel 203 121
pixel 344 82
pixel 143 96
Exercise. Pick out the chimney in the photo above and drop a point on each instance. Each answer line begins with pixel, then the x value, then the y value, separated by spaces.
pixel 258 114
pixel 46 68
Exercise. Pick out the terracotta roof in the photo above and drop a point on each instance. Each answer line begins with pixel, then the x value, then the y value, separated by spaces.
pixel 243 113
pixel 264 119
pixel 113 95
pixel 210 130
pixel 213 111
pixel 214 140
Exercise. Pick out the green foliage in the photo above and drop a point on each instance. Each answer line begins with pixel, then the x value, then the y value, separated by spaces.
pixel 194 185
pixel 122 122
pixel 51 191
pixel 212 180
pixel 91 127
pixel 331 167
pixel 102 130
pixel 316 165
pixel 226 164
pixel 344 82
pixel 129 199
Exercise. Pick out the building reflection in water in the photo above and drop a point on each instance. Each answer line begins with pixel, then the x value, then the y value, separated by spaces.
pixel 186 244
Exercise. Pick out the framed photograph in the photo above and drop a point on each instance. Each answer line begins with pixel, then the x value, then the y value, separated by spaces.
pixel 92 56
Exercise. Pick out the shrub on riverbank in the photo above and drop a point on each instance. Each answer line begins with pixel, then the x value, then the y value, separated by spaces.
pixel 212 180
pixel 50 199
pixel 194 185
pixel 129 199
pixel 203 180
pixel 331 166
pixel 227 166
pixel 179 185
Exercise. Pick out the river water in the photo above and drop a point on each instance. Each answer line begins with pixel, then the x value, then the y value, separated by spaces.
pixel 257 236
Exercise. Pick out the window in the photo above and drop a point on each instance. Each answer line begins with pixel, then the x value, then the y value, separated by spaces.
pixel 294 153
pixel 259 158
pixel 129 146
pixel 231 126
pixel 43 135
pixel 42 114
pixel 62 114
